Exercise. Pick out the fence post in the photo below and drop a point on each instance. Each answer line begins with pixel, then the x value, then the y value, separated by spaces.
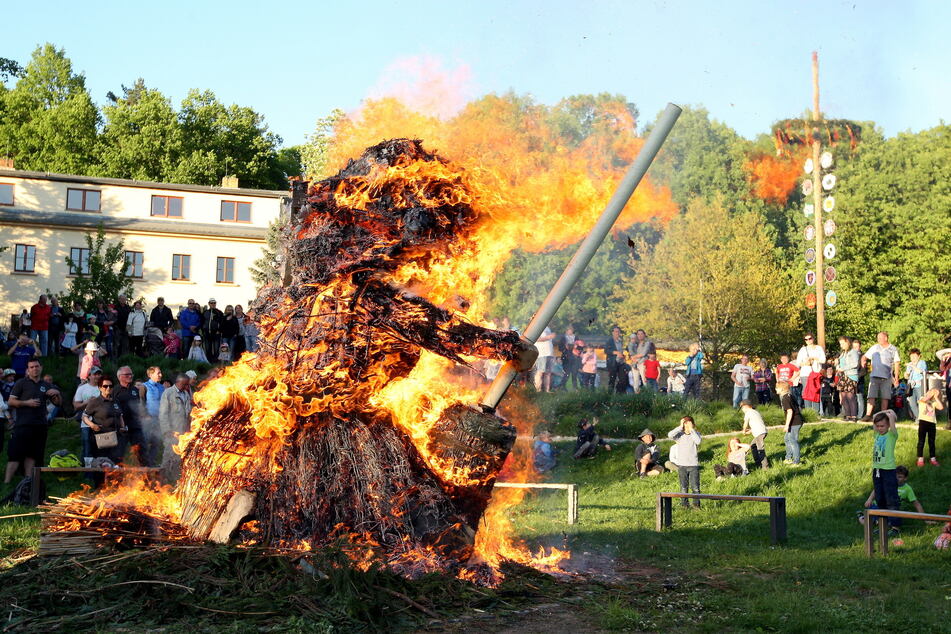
pixel 883 534
pixel 659 513
pixel 572 503
pixel 869 542
pixel 35 489
pixel 777 520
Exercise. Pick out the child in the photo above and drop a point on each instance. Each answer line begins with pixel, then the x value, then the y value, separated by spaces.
pixel 196 352
pixel 884 477
pixel 736 460
pixel 905 493
pixel 827 391
pixel 543 456
pixel 812 390
pixel 651 371
pixel 224 353
pixel 915 371
pixel 944 539
pixel 172 343
pixel 588 440
pixel 927 424
pixel 647 456
pixel 753 424
pixel 793 418
pixel 688 465
pixel 589 365
pixel 675 381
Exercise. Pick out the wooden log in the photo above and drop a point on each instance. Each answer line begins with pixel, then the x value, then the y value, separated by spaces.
pixel 472 440
pixel 239 507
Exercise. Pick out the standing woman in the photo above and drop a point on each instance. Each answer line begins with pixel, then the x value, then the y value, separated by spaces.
pixel 135 326
pixel 847 365
pixel 793 422
pixel 761 379
pixel 239 346
pixel 70 330
pixel 861 384
pixel 229 328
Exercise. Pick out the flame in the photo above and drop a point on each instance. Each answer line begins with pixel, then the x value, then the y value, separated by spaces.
pixel 772 178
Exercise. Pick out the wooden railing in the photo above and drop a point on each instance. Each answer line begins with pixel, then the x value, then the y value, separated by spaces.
pixel 883 515
pixel 572 490
pixel 777 510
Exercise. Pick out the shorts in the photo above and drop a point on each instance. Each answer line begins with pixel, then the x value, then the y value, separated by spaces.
pixel 544 364
pixel 28 441
pixel 879 388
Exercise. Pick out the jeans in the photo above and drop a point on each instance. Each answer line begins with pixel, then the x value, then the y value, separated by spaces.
pixel 41 337
pixel 740 393
pixel 812 405
pixel 916 393
pixel 886 492
pixel 860 397
pixel 652 385
pixel 758 447
pixel 689 479
pixel 88 443
pixel 791 439
pixel 764 397
pixel 692 386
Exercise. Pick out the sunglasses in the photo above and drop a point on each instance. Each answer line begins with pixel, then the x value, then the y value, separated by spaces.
pixel 106 386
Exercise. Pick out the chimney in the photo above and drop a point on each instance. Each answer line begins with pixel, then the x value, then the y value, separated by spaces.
pixel 6 162
pixel 230 181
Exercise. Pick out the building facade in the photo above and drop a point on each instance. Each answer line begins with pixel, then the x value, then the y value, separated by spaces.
pixel 181 241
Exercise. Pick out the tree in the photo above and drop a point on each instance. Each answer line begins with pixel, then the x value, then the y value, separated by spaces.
pixel 49 120
pixel 266 269
pixel 104 278
pixel 9 68
pixel 314 152
pixel 716 267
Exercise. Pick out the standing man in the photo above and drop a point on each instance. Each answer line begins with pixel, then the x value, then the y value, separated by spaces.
pixel 546 359
pixel 741 374
pixel 130 399
pixel 886 369
pixel 161 316
pixel 121 338
pixel 29 397
pixel 57 318
pixel 20 354
pixel 174 419
pixel 614 356
pixel 40 320
pixel 211 329
pixel 190 322
pixel 84 393
pixel 809 359
pixel 643 347
pixel 694 363
pixel 153 402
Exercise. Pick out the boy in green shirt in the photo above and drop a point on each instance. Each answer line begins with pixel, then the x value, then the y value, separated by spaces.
pixel 884 478
pixel 905 493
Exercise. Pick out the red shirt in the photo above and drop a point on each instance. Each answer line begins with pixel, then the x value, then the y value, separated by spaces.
pixel 40 315
pixel 785 371
pixel 651 369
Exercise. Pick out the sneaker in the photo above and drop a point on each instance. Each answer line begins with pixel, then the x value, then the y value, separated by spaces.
pixel 866 419
pixel 795 464
pixel 894 532
pixel 921 462
pixel 642 475
pixel 934 461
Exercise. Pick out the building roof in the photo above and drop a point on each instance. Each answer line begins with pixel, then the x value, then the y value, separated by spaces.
pixel 122 182
pixel 14 215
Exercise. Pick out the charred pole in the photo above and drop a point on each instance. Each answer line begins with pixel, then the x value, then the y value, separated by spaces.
pixel 559 292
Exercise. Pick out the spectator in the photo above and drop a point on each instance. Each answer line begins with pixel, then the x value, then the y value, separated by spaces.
pixel 687 441
pixel 103 417
pixel 809 359
pixel 224 353
pixel 29 397
pixel 250 334
pixel 643 348
pixel 153 403
pixel 846 388
pixel 20 354
pixel 671 463
pixel 174 419
pixel 651 371
pixel 736 460
pixel 614 354
pixel 634 382
pixel 154 344
pixel 884 480
pixel 589 366
pixel 106 320
pixel 828 391
pixel 789 372
pixel 928 406
pixel 792 424
pixel 575 362
pixel 56 327
pixel 588 440
pixel 211 329
pixel 197 352
pixel 885 369
pixel 26 324
pixel 916 372
pixel 567 357
pixel 70 330
pixel 92 357
pixel 675 381
pixel 848 369
pixel 812 391
pixel 543 455
pixel 694 363
pixel 761 381
pixel 6 413
pixel 190 322
pixel 161 316
pixel 40 324
pixel 862 385
pixel 239 343
pixel 647 455
pixel 85 392
pixel 546 357
pixel 741 374
pixel 753 424
pixel 229 329
pixel 136 323
pixel 121 334
pixel 131 398
pixel 172 343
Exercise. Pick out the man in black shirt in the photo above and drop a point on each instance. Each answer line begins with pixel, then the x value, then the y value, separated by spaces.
pixel 122 332
pixel 211 329
pixel 130 399
pixel 161 316
pixel 29 397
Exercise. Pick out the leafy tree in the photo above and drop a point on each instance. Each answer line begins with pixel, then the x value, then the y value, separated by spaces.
pixel 266 269
pixel 49 120
pixel 106 278
pixel 718 264
pixel 314 152
pixel 9 68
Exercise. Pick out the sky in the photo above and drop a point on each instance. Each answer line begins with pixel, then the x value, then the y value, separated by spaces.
pixel 748 63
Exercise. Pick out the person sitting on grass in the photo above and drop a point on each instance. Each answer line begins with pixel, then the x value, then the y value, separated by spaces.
pixel 928 406
pixel 647 456
pixel 753 424
pixel 943 541
pixel 543 455
pixel 884 476
pixel 736 460
pixel 905 493
pixel 671 464
pixel 688 464
pixel 588 439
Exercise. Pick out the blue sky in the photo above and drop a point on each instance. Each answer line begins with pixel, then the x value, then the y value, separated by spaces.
pixel 747 62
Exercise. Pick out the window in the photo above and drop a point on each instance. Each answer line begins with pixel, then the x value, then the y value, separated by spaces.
pixel 80 261
pixel 82 199
pixel 167 206
pixel 133 263
pixel 232 211
pixel 6 194
pixel 225 273
pixel 24 258
pixel 181 267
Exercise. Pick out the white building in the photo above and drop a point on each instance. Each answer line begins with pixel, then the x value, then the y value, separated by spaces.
pixel 181 241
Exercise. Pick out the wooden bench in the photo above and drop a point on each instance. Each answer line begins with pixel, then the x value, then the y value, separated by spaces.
pixel 572 490
pixel 882 515
pixel 37 471
pixel 777 510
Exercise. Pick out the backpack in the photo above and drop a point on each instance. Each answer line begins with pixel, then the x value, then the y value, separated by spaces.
pixel 22 493
pixel 64 460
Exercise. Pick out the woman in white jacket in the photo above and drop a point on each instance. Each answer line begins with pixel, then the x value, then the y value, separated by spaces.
pixel 135 326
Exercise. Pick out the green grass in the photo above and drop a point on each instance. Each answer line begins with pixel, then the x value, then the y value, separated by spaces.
pixel 821 580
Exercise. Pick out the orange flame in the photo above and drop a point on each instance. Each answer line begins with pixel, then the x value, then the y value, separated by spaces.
pixel 774 178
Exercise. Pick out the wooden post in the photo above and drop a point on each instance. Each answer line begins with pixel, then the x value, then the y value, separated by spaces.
pixel 777 520
pixel 35 489
pixel 869 543
pixel 659 518
pixel 817 201
pixel 883 534
pixel 572 503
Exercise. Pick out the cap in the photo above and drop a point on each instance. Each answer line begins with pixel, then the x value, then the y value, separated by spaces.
pixel 647 432
pixel 212 301
pixel 191 374
pixel 91 346
pixel 9 371
pixel 95 370
pixel 197 337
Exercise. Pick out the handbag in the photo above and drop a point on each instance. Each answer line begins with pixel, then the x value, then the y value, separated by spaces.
pixel 106 440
